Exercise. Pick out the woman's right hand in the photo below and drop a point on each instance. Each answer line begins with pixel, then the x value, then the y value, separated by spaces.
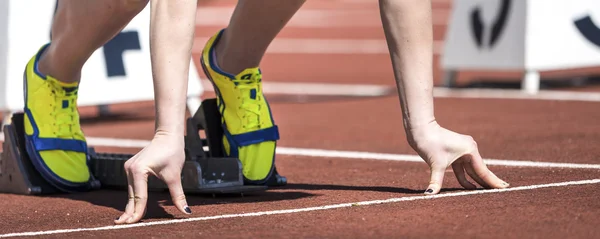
pixel 440 148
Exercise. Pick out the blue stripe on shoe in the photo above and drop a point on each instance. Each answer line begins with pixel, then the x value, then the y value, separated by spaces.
pixel 213 65
pixel 233 147
pixel 211 60
pixel 36 131
pixel 37 59
pixel 220 102
pixel 44 144
pixel 48 175
pixel 255 137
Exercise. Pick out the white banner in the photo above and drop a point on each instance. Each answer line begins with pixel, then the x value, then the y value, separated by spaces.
pixel 523 35
pixel 486 34
pixel 563 34
pixel 118 72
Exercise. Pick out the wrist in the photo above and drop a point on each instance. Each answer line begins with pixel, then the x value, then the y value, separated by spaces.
pixel 171 132
pixel 417 131
pixel 412 124
pixel 169 123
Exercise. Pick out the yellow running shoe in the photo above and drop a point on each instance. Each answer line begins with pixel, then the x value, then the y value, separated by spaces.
pixel 54 140
pixel 250 133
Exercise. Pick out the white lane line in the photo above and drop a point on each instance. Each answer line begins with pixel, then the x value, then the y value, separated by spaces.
pixel 117 143
pixel 415 158
pixel 333 89
pixel 325 153
pixel 306 209
pixel 517 94
pixel 319 89
pixel 314 18
pixel 322 46
pixel 109 142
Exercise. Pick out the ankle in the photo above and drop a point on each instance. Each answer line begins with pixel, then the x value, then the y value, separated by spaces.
pixel 220 54
pixel 47 66
pixel 44 64
pixel 230 60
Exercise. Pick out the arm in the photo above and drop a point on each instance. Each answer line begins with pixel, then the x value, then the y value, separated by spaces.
pixel 408 30
pixel 172 26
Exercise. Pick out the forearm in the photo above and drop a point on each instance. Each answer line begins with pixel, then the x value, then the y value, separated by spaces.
pixel 172 25
pixel 408 30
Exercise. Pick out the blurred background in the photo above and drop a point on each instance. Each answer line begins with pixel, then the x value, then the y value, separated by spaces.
pixel 335 39
pixel 519 76
pixel 335 49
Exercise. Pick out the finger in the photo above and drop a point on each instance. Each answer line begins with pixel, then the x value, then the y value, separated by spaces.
pixel 177 194
pixel 471 172
pixel 437 178
pixel 129 208
pixel 140 189
pixel 459 172
pixel 484 173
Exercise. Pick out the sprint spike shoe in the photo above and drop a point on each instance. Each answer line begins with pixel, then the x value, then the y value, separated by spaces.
pixel 250 133
pixel 54 140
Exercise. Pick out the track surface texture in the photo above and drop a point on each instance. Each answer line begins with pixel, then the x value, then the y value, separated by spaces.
pixel 351 173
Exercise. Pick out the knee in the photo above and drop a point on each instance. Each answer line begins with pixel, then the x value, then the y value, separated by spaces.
pixel 134 5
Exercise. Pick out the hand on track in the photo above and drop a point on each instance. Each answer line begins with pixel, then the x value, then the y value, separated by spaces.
pixel 441 148
pixel 163 158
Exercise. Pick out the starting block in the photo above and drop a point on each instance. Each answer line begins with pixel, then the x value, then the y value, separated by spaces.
pixel 206 170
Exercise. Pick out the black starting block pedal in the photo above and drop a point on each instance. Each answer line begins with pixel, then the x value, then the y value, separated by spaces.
pixel 17 173
pixel 206 169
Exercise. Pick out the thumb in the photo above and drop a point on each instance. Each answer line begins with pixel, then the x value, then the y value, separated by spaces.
pixel 436 180
pixel 177 195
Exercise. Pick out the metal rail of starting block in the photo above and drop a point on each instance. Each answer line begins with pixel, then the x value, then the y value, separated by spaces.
pixel 204 171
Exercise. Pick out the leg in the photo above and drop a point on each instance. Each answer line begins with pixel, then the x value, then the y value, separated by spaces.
pixel 230 60
pixel 88 25
pixel 408 30
pixel 54 139
pixel 251 31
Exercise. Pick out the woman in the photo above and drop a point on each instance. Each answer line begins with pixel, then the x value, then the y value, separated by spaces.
pixel 230 59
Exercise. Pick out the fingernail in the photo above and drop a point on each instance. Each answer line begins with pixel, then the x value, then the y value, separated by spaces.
pixel 429 190
pixel 187 209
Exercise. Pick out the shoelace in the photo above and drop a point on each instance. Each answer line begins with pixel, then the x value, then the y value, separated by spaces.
pixel 250 106
pixel 64 110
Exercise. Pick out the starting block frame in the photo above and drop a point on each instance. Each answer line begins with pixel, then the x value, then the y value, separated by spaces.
pixel 206 169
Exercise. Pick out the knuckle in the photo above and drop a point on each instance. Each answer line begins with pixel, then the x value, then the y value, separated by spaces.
pixel 179 197
pixel 127 165
pixel 139 198
pixel 137 169
pixel 471 140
